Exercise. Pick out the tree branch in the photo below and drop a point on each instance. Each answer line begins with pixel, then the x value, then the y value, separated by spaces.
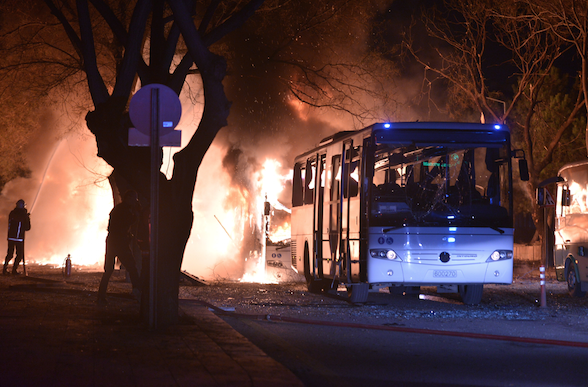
pixel 96 84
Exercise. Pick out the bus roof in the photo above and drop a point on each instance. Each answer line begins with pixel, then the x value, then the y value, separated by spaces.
pixel 404 132
pixel 575 164
pixel 440 126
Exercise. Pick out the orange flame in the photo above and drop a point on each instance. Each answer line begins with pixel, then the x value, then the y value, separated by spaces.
pixel 270 184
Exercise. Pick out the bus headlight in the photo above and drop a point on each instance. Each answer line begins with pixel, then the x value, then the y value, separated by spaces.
pixel 384 254
pixel 499 255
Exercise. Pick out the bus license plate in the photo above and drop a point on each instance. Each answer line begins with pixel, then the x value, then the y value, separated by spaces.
pixel 445 273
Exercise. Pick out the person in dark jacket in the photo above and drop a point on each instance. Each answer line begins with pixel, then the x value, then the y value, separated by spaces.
pixel 121 226
pixel 19 222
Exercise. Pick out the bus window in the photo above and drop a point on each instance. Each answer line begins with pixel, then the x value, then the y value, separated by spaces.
pixel 559 203
pixel 351 182
pixel 309 182
pixel 323 174
pixel 297 186
pixel 441 185
pixel 380 176
pixel 335 177
pixel 352 185
pixel 578 198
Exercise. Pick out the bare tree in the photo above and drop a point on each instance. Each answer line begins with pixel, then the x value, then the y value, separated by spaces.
pixel 101 34
pixel 479 37
pixel 107 46
pixel 16 133
pixel 19 101
pixel 317 54
pixel 346 76
pixel 569 21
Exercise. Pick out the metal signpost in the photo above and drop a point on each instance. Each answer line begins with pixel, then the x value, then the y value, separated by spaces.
pixel 155 110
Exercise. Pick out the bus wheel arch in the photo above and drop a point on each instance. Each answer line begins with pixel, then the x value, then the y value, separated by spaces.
pixel 471 294
pixel 574 285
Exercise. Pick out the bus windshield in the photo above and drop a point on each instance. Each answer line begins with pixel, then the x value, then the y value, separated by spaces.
pixel 440 186
pixel 575 188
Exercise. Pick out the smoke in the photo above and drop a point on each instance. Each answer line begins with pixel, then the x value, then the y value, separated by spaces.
pixel 213 251
pixel 67 195
pixel 268 122
pixel 70 213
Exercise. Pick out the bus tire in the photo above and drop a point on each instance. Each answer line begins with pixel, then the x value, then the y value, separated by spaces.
pixel 358 293
pixel 574 286
pixel 471 294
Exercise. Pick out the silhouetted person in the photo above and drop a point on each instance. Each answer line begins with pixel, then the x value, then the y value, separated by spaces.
pixel 123 219
pixel 19 222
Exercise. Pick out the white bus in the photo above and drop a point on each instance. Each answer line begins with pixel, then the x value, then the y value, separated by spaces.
pixel 571 227
pixel 406 205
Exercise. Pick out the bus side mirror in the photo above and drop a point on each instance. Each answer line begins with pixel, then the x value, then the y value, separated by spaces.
pixel 523 167
pixel 566 197
pixel 523 170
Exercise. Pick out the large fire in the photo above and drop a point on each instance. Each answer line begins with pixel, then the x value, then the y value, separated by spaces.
pixel 69 199
pixel 270 184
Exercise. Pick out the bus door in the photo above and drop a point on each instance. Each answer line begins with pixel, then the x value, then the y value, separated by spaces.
pixel 349 213
pixel 318 170
pixel 333 226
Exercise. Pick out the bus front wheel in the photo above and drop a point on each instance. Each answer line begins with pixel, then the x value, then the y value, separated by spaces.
pixel 358 293
pixel 471 294
pixel 574 286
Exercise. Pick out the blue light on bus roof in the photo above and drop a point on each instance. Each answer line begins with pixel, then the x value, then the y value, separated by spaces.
pixel 387 125
pixel 497 127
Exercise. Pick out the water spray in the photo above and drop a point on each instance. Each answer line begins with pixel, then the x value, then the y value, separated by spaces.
pixel 24 265
pixel 44 175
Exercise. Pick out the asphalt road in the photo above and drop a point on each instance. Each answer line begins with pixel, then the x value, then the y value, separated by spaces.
pixel 340 356
pixel 411 341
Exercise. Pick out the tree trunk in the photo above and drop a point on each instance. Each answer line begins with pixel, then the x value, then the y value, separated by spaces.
pixel 175 225
pixel 176 216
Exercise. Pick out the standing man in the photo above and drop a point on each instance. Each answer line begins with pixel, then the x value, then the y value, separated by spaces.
pixel 121 225
pixel 19 222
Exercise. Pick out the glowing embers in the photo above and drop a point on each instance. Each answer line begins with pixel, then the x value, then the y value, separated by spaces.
pixel 256 269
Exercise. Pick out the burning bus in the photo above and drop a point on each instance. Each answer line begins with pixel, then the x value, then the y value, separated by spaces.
pixel 406 205
pixel 571 227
